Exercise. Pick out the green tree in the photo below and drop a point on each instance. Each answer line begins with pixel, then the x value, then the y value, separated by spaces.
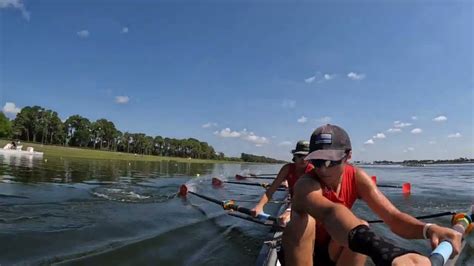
pixel 5 126
pixel 78 131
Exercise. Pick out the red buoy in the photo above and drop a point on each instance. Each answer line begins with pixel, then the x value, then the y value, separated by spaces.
pixel 406 188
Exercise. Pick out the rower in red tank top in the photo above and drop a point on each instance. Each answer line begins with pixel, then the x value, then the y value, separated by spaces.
pixel 289 172
pixel 347 196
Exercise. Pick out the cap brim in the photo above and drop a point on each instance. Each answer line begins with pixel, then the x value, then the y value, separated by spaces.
pixel 332 155
pixel 300 152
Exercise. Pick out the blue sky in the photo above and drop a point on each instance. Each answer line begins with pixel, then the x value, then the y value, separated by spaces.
pixel 251 77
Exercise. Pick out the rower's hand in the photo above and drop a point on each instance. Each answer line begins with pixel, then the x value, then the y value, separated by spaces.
pixel 411 259
pixel 284 218
pixel 439 233
pixel 256 210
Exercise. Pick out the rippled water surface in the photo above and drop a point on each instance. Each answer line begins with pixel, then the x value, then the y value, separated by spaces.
pixel 96 212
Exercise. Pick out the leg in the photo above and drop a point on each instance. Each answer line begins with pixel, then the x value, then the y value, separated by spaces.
pixel 298 240
pixel 344 256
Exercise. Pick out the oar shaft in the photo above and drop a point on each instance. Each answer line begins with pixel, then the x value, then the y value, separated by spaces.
pixel 252 176
pixel 252 184
pixel 229 206
pixel 441 214
pixel 389 186
pixel 207 198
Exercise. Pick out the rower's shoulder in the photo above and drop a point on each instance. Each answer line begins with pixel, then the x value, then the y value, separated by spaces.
pixel 307 183
pixel 285 168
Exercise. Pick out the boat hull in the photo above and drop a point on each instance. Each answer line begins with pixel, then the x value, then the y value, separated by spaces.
pixel 20 153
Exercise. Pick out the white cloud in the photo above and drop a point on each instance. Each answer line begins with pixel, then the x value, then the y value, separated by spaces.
pixel 329 76
pixel 208 125
pixel 414 118
pixel 83 33
pixel 409 149
pixel 394 130
pixel 379 136
pixel 440 118
pixel 11 109
pixel 302 119
pixel 274 137
pixel 416 131
pixel 122 99
pixel 251 137
pixel 258 145
pixel 355 76
pixel 432 142
pixel 16 4
pixel 227 133
pixel 285 143
pixel 399 124
pixel 369 142
pixel 455 135
pixel 323 120
pixel 125 30
pixel 310 79
pixel 288 104
pixel 244 135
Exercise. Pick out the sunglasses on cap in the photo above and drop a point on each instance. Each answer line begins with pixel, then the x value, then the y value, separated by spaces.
pixel 328 163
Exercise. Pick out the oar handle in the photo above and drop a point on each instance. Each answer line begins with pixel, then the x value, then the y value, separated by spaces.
pixel 261 216
pixel 440 255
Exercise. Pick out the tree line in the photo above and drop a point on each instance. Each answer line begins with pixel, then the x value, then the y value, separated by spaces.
pixel 37 124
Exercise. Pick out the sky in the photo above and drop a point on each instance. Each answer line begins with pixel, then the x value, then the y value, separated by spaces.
pixel 251 76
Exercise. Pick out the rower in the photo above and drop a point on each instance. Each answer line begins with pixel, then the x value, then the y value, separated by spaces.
pixel 290 173
pixel 322 223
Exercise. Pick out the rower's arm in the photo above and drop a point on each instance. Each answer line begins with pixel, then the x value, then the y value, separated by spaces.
pixel 274 186
pixel 400 223
pixel 337 219
pixel 341 224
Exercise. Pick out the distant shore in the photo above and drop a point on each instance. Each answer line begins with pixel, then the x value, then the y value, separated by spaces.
pixel 70 152
pixel 417 164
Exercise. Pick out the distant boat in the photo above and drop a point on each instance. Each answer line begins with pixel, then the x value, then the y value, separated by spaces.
pixel 17 150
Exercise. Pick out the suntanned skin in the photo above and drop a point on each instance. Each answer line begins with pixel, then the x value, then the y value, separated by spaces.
pixel 301 165
pixel 310 205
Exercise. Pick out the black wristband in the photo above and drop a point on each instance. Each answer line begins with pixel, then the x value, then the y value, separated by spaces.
pixel 363 240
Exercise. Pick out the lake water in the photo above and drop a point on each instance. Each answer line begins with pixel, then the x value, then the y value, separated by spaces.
pixel 96 212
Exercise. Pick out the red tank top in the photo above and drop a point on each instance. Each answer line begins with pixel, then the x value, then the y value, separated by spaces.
pixel 292 177
pixel 347 197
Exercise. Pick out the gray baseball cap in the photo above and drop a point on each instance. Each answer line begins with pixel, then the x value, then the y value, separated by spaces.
pixel 328 142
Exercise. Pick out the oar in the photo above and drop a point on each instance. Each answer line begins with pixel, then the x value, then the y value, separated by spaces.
pixel 463 223
pixel 241 177
pixel 440 214
pixel 257 201
pixel 217 182
pixel 251 219
pixel 406 187
pixel 263 174
pixel 226 204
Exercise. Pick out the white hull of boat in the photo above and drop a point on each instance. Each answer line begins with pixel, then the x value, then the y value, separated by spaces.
pixel 20 152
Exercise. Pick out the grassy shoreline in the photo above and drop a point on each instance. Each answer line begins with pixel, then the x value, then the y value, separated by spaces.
pixel 74 152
